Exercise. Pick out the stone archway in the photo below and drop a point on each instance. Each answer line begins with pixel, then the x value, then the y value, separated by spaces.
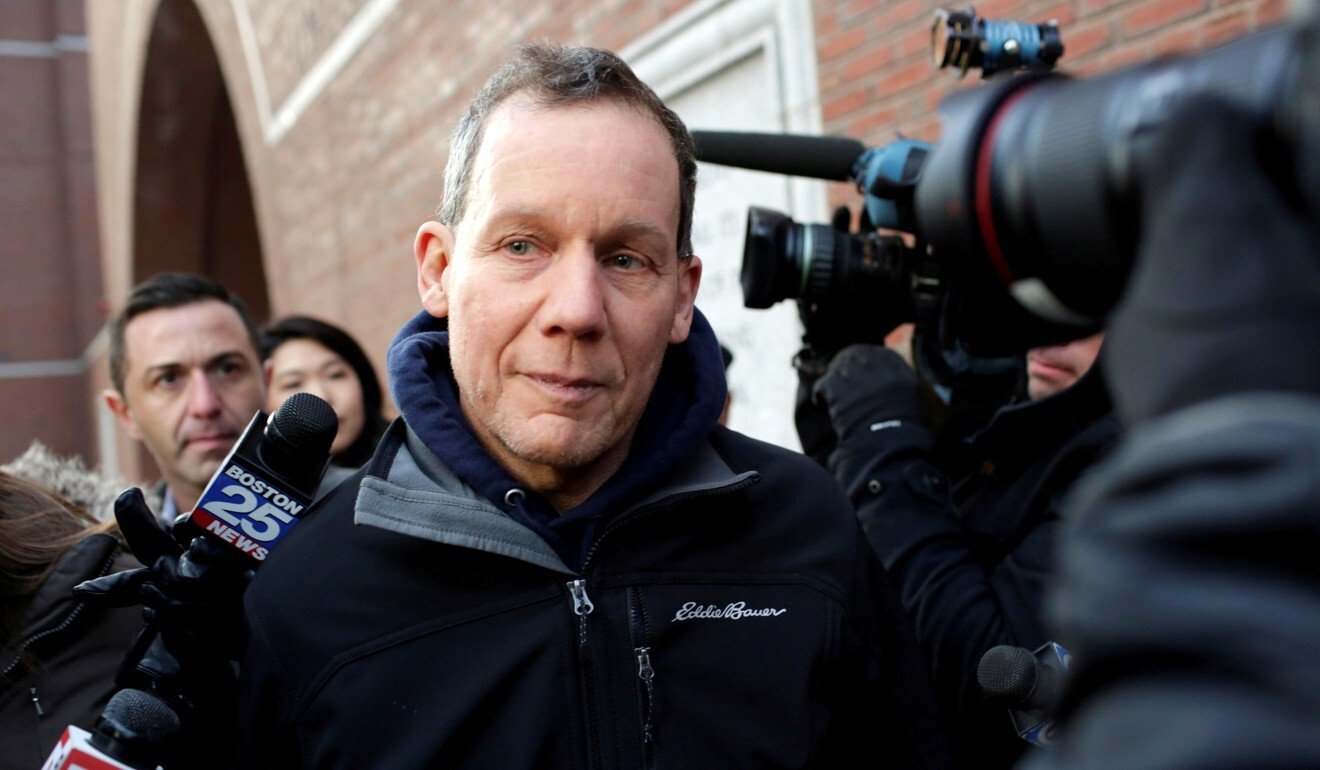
pixel 193 201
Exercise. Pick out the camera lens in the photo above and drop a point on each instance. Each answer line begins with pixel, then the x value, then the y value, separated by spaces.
pixel 786 260
pixel 852 287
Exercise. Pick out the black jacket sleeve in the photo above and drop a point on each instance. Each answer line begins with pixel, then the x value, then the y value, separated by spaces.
pixel 958 605
pixel 1189 590
pixel 970 574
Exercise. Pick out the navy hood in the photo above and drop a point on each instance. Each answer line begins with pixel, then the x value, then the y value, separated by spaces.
pixel 684 406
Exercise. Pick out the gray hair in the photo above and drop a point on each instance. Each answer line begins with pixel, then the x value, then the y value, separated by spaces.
pixel 556 75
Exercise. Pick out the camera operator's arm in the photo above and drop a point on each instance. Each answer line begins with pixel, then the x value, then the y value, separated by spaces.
pixel 959 605
pixel 1189 580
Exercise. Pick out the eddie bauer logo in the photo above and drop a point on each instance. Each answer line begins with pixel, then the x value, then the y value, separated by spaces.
pixel 735 611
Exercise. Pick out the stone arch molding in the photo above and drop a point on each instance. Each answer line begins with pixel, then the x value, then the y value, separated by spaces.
pixel 330 31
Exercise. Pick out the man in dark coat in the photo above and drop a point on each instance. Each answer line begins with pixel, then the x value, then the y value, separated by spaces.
pixel 555 557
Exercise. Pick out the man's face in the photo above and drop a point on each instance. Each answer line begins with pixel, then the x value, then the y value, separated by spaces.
pixel 191 384
pixel 562 286
pixel 1055 368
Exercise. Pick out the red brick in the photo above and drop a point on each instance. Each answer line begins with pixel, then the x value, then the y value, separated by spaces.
pixel 913 41
pixel 827 21
pixel 848 11
pixel 841 43
pixel 870 125
pixel 1089 8
pixel 869 64
pixel 1123 56
pixel 896 81
pixel 904 10
pixel 27 20
pixel 1000 9
pixel 1179 41
pixel 1157 13
pixel 1083 39
pixel 1225 28
pixel 1065 13
pixel 842 105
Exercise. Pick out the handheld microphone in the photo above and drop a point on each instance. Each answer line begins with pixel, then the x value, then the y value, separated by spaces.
pixel 253 500
pixel 130 735
pixel 1028 683
pixel 269 477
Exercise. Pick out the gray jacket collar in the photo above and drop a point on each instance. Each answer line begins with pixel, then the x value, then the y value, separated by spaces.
pixel 419 496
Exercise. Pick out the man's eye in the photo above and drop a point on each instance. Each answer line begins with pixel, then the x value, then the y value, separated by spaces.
pixel 624 262
pixel 166 379
pixel 520 248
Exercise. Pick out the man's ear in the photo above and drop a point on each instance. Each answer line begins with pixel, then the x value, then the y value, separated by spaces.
pixel 268 372
pixel 114 401
pixel 689 280
pixel 434 250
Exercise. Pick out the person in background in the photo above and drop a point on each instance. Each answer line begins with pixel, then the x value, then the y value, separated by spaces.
pixel 304 354
pixel 58 654
pixel 966 529
pixel 186 380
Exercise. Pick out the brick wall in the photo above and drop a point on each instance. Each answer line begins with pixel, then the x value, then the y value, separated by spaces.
pixel 50 272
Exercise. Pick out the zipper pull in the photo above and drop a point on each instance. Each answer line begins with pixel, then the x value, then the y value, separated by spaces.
pixel 644 670
pixel 582 605
pixel 37 703
pixel 647 675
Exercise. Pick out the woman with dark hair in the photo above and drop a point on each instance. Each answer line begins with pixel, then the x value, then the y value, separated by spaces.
pixel 305 355
pixel 58 654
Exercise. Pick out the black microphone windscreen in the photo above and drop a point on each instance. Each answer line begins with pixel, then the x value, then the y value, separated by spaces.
pixel 1007 674
pixel 818 157
pixel 137 716
pixel 303 423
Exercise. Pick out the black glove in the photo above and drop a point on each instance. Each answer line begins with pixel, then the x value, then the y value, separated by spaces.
pixel 176 587
pixel 192 602
pixel 1225 297
pixel 868 389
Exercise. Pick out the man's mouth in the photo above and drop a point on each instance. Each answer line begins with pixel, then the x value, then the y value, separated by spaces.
pixel 566 388
pixel 212 441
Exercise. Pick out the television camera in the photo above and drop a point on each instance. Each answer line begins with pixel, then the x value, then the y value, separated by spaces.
pixel 1019 227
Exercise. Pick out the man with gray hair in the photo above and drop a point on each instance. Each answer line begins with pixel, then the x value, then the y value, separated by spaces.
pixel 556 558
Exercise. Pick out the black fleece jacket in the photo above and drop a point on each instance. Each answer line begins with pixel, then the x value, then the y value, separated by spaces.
pixel 727 612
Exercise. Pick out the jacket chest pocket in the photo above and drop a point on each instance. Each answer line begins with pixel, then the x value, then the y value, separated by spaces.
pixel 730 674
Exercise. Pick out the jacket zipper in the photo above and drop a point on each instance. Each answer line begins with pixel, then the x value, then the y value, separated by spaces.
pixel 582 607
pixel 63 624
pixel 645 673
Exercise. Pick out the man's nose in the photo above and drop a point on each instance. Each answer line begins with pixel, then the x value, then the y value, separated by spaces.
pixel 203 397
pixel 575 299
